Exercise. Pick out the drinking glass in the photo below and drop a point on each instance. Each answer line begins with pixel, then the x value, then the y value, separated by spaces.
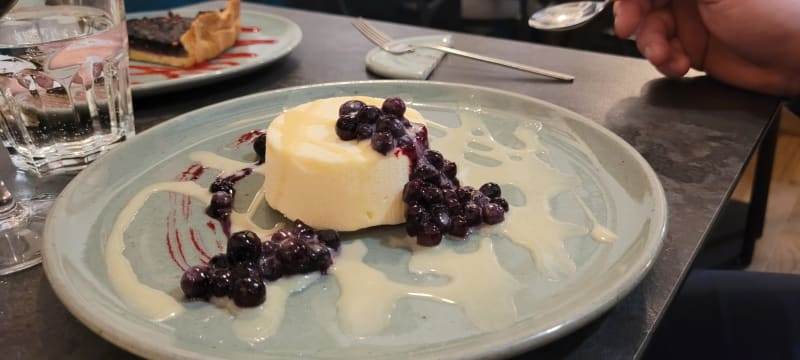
pixel 65 95
pixel 20 230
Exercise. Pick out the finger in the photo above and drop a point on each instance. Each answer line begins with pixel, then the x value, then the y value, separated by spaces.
pixel 692 32
pixel 654 34
pixel 628 14
pixel 678 63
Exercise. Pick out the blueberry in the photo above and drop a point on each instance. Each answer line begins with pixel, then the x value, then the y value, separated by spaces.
pixel 320 257
pixel 329 238
pixel 382 142
pixel 270 268
pixel 472 212
pixel 268 248
pixel 346 127
pixel 429 235
pixel 454 183
pixel 369 115
pixel 293 254
pixel 493 214
pixel 453 206
pixel 480 199
pixel 412 191
pixel 413 210
pixel 219 261
pixel 302 230
pixel 364 131
pixel 502 202
pixel 432 195
pixel 280 235
pixel 414 224
pixel 425 172
pixel 384 123
pixel 196 282
pixel 491 190
pixel 449 194
pixel 351 107
pixel 248 292
pixel 221 184
pixel 244 246
pixel 220 206
pixel 221 200
pixel 449 169
pixel 435 158
pixel 245 269
pixel 465 193
pixel 260 146
pixel 441 219
pixel 396 128
pixel 404 142
pixel 394 106
pixel 459 226
pixel 405 122
pixel 221 282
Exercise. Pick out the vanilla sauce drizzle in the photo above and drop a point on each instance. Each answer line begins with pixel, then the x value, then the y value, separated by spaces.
pixel 477 281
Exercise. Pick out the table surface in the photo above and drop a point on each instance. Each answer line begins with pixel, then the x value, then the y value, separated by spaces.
pixel 696 133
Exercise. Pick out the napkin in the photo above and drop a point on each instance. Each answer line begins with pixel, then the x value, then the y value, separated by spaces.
pixel 416 65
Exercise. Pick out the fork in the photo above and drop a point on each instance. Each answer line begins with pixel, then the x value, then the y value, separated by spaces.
pixel 382 40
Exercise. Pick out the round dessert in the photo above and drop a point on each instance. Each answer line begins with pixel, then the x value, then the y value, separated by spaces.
pixel 313 175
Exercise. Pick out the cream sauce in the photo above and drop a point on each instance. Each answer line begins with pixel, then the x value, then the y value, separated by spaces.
pixel 151 303
pixel 259 323
pixel 476 280
pixel 599 232
pixel 530 224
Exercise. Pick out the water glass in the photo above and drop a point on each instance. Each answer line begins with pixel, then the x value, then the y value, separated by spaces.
pixel 66 95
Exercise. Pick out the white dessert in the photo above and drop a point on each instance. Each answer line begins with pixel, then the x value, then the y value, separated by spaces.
pixel 313 175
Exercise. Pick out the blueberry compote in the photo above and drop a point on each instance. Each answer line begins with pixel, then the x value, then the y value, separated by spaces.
pixel 241 272
pixel 436 203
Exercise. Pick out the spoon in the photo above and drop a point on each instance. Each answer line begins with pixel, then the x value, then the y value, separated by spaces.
pixel 566 16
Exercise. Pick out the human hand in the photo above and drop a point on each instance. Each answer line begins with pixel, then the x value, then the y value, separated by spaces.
pixel 751 44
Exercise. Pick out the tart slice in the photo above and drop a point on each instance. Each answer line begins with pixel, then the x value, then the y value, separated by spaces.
pixel 184 42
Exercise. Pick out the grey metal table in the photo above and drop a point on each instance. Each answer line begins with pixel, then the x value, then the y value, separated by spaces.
pixel 697 134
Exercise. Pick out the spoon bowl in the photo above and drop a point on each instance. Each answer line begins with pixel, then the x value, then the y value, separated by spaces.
pixel 566 16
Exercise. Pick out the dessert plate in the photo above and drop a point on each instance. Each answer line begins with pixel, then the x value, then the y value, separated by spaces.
pixel 265 38
pixel 559 288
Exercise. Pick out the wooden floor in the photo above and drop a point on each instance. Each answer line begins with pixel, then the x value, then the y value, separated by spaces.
pixel 779 248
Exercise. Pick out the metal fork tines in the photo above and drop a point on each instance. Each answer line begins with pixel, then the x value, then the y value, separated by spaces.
pixel 381 39
pixel 370 32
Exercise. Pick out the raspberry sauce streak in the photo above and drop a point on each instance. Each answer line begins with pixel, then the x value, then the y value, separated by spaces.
pixel 172 253
pixel 184 202
pixel 176 73
pixel 197 246
pixel 249 42
pixel 219 63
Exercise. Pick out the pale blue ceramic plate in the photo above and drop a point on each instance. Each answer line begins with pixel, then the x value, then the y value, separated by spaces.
pixel 616 182
pixel 265 38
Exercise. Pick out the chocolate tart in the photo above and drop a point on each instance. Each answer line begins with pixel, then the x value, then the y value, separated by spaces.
pixel 181 41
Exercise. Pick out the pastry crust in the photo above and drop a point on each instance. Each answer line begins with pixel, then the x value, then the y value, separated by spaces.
pixel 177 61
pixel 210 34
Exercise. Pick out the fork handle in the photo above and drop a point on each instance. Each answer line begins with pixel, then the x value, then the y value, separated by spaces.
pixel 501 62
